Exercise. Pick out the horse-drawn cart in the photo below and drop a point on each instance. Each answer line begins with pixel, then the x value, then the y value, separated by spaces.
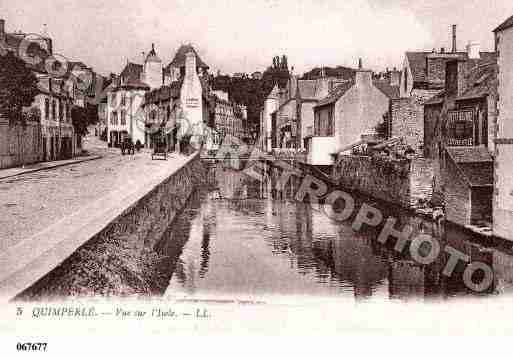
pixel 159 151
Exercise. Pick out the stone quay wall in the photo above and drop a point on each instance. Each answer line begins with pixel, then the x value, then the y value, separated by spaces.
pixel 401 182
pixel 122 258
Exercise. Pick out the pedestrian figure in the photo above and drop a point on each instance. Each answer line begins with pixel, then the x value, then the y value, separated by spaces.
pixel 138 146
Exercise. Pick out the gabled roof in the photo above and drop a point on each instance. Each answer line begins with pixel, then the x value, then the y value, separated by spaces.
pixel 392 92
pixel 152 55
pixel 417 62
pixel 505 25
pixel 132 72
pixel 179 59
pixel 275 92
pixel 474 163
pixel 335 94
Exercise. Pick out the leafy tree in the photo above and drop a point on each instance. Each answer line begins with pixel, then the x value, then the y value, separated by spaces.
pixel 18 89
pixel 253 92
pixel 17 92
pixel 283 64
pixel 82 118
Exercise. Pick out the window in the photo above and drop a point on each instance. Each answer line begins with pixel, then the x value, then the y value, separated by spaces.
pixel 113 100
pixel 123 117
pixel 61 111
pixel 47 108
pixel 114 118
pixel 405 75
pixel 123 99
pixel 54 106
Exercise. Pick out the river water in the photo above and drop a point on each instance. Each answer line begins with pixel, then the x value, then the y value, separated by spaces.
pixel 234 241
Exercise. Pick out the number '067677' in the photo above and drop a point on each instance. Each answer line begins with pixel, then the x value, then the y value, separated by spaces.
pixel 26 347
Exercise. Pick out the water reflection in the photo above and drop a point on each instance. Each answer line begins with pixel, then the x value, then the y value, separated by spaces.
pixel 235 240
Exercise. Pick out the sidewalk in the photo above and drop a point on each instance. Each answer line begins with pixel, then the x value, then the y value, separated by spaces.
pixel 41 166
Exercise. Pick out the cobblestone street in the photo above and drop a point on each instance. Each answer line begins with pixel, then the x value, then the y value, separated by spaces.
pixel 31 202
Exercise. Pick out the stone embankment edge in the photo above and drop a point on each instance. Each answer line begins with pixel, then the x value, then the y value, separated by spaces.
pixel 49 166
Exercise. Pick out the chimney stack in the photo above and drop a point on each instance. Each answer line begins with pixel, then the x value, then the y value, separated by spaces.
pixel 363 77
pixel 473 49
pixel 190 64
pixel 395 77
pixel 454 38
pixel 2 29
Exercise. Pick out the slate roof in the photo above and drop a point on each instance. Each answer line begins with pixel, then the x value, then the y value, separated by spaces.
pixel 417 62
pixel 437 99
pixel 335 94
pixel 505 25
pixel 275 92
pixel 179 59
pixel 164 93
pixel 480 82
pixel 392 92
pixel 134 84
pixel 132 72
pixel 475 164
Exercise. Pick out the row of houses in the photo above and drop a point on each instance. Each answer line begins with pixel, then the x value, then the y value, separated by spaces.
pixel 152 103
pixel 451 108
pixel 52 136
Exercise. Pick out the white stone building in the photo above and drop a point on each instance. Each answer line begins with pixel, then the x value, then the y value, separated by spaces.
pixel 503 201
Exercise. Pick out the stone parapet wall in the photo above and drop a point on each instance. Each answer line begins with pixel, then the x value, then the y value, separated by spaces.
pixel 20 145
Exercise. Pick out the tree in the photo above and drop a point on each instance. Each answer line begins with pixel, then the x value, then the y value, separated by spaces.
pixel 83 117
pixel 283 64
pixel 18 90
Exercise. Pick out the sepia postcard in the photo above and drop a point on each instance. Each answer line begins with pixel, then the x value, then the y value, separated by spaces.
pixel 329 170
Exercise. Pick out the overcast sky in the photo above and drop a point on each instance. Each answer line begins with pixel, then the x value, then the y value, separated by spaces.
pixel 243 36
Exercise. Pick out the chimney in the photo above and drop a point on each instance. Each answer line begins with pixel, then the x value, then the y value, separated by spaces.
pixel 362 77
pixel 473 49
pixel 395 77
pixel 190 64
pixel 49 45
pixel 454 38
pixel 2 29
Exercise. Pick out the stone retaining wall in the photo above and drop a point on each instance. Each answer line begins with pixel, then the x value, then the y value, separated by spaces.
pixel 401 182
pixel 122 259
